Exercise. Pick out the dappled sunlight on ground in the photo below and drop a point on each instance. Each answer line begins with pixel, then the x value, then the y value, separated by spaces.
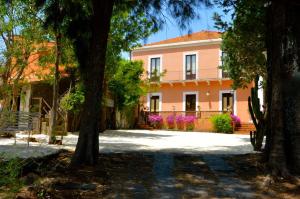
pixel 115 141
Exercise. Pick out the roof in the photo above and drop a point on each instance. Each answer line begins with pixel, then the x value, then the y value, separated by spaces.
pixel 202 35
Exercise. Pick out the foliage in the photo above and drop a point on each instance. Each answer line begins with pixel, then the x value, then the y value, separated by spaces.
pixel 68 60
pixel 72 101
pixel 156 120
pixel 125 84
pixel 10 172
pixel 20 31
pixel 126 32
pixel 222 123
pixel 244 40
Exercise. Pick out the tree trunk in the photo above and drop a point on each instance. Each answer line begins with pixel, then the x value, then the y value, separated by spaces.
pixel 53 117
pixel 87 148
pixel 282 64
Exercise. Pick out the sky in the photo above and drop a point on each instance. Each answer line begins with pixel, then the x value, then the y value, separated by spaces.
pixel 171 30
pixel 205 22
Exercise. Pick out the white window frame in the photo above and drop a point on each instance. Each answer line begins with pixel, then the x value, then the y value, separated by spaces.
pixel 184 61
pixel 261 92
pixel 220 64
pixel 184 94
pixel 234 100
pixel 160 64
pixel 149 95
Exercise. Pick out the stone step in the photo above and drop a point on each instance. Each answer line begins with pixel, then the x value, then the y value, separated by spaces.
pixel 144 126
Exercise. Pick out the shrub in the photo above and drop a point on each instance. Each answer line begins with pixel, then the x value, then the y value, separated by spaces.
pixel 236 120
pixel 180 122
pixel 10 172
pixel 171 121
pixel 189 122
pixel 73 101
pixel 156 120
pixel 222 123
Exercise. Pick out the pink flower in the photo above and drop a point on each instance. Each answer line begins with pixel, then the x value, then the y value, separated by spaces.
pixel 189 119
pixel 171 119
pixel 155 118
pixel 179 119
pixel 236 120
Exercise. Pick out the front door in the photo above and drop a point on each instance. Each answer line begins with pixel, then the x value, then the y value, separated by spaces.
pixel 227 102
pixel 154 104
pixel 190 102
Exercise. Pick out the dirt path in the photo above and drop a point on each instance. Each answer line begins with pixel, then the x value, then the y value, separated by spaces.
pixel 134 175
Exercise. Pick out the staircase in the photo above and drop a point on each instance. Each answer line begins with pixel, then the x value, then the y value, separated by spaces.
pixel 60 128
pixel 244 128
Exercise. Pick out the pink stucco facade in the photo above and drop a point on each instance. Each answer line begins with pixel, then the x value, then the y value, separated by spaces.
pixel 208 84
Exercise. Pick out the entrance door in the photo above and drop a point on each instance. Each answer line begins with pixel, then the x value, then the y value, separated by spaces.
pixel 190 102
pixel 228 102
pixel 154 104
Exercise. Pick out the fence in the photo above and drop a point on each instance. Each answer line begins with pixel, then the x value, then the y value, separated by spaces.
pixel 18 121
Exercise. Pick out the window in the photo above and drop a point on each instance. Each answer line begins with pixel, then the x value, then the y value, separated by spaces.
pixel 190 67
pixel 228 102
pixel 224 72
pixel 190 102
pixel 154 104
pixel 154 68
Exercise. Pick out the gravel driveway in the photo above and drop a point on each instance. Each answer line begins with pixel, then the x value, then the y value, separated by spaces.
pixel 116 141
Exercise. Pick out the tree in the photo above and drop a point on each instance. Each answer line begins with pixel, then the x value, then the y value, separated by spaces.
pixel 127 31
pixel 243 40
pixel 126 86
pixel 282 41
pixel 88 26
pixel 20 30
pixel 54 24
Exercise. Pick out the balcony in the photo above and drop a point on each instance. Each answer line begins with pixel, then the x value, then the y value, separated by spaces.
pixel 155 78
pixel 202 74
pixel 173 76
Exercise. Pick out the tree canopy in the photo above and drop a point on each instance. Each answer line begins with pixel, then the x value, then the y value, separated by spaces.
pixel 244 40
pixel 21 31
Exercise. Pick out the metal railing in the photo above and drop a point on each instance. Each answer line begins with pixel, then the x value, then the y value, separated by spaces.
pixel 18 121
pixel 180 75
pixel 144 117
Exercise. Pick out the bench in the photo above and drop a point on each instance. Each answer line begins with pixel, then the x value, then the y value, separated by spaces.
pixel 16 121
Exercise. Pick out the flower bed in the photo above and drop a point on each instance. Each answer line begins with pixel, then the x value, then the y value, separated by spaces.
pixel 171 121
pixel 235 120
pixel 189 122
pixel 180 122
pixel 156 121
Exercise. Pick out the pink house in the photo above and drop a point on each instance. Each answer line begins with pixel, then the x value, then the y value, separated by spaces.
pixel 191 80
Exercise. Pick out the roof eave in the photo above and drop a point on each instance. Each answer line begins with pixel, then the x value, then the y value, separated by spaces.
pixel 179 44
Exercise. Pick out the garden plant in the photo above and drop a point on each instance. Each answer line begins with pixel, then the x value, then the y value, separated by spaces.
pixel 222 123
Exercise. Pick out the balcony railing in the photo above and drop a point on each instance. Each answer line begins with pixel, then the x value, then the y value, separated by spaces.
pixel 201 74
